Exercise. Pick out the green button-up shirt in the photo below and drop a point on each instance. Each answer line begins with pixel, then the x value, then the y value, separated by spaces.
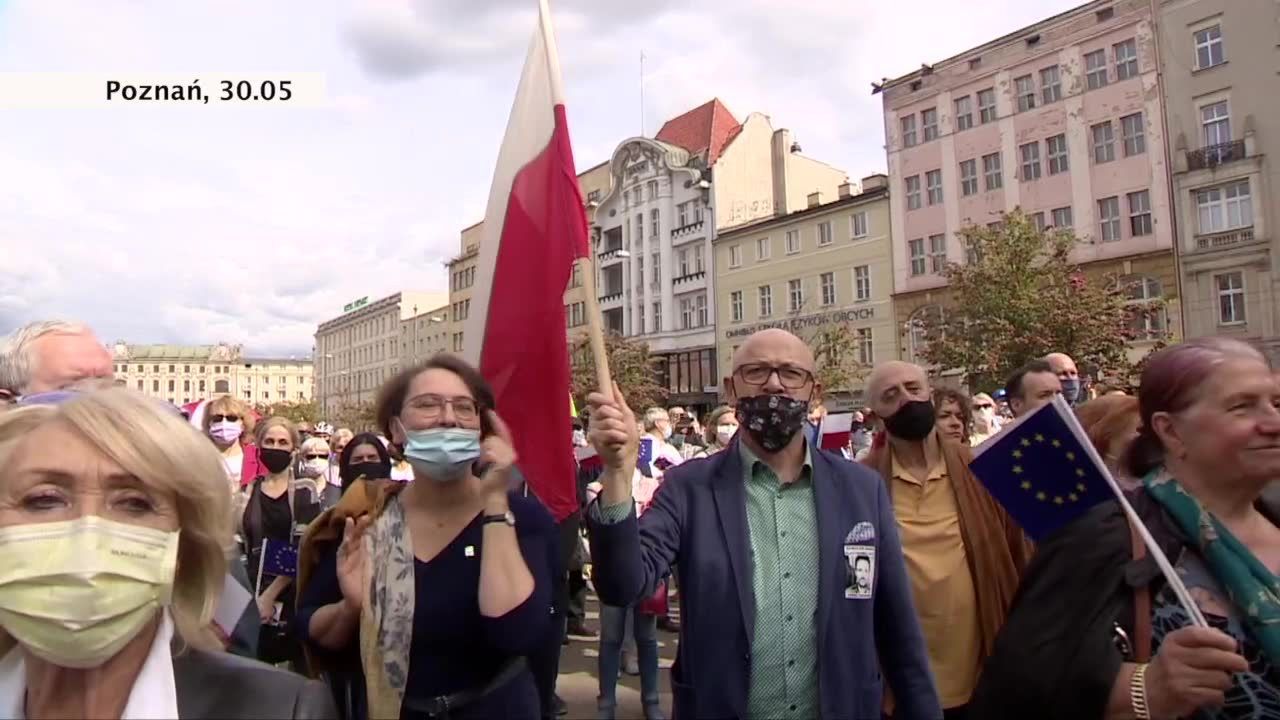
pixel 782 523
pixel 783 530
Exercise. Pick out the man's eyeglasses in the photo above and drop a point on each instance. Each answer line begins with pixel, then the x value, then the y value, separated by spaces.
pixel 791 377
pixel 430 407
pixel 224 418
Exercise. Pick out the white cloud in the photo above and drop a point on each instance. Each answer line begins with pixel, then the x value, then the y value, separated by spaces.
pixel 254 225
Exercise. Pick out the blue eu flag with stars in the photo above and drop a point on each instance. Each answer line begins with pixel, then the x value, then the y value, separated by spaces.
pixel 644 459
pixel 1042 470
pixel 279 558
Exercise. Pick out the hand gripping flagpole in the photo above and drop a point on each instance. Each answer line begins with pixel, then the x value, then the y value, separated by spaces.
pixel 1170 574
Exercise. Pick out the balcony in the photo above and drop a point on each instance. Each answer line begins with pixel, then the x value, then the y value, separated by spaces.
pixel 693 229
pixel 611 299
pixel 1212 156
pixel 688 279
pixel 1238 236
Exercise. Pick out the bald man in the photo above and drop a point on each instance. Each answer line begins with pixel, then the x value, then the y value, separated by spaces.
pixel 964 555
pixel 1065 368
pixel 794 595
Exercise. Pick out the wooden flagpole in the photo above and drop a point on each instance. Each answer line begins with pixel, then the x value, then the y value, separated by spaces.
pixel 595 323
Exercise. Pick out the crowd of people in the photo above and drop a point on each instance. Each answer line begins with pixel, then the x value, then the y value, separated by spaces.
pixel 410 571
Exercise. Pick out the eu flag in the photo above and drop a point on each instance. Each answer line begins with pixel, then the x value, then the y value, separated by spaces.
pixel 644 460
pixel 1042 470
pixel 279 558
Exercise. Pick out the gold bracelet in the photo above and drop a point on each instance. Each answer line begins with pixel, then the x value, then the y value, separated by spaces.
pixel 1138 693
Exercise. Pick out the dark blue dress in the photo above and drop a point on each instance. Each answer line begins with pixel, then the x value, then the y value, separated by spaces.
pixel 455 648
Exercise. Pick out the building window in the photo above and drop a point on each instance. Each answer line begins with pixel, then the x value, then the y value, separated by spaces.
pixel 828 282
pixel 171 385
pixel 1056 148
pixel 155 386
pixel 938 252
pixel 700 310
pixel 1050 84
pixel 735 305
pixel 824 233
pixel 1141 290
pixel 639 228
pixel 964 113
pixel 657 317
pixel 766 300
pixel 1133 132
pixel 1139 213
pixel 682 262
pixel 1209 50
pixel 172 368
pixel 1126 54
pixel 655 263
pixel 909 131
pixel 763 249
pixel 991 171
pixel 862 283
pixel 916 248
pixel 1109 214
pixel 919 323
pixel 139 385
pixel 987 105
pixel 1030 161
pixel 654 216
pixel 795 295
pixel 697 259
pixel 1025 89
pixel 1230 298
pixel 1095 66
pixel 735 256
pixel 866 350
pixel 686 313
pixel 858 224
pixel 933 185
pixel 913 192
pixel 1224 208
pixel 1062 217
pixel 969 178
pixel 1037 219
pixel 793 242
pixel 1104 142
pixel 1216 120
pixel 929 124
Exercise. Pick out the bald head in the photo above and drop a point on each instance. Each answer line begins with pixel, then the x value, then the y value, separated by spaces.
pixel 894 383
pixel 1062 364
pixel 787 355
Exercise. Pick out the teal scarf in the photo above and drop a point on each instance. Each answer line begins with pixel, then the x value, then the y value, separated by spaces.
pixel 1252 588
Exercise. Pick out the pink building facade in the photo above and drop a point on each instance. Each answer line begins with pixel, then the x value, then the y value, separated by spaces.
pixel 1062 119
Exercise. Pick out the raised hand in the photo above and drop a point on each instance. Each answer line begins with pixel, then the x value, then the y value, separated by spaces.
pixel 614 432
pixel 497 456
pixel 353 562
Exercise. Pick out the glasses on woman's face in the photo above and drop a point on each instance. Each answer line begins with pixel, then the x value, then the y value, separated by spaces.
pixel 317 456
pixel 430 407
pixel 224 418
pixel 791 377
pixel 983 406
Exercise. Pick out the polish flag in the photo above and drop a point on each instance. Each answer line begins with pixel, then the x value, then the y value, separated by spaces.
pixel 836 430
pixel 534 230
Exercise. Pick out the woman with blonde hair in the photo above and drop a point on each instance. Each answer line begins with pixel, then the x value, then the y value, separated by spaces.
pixel 111 500
pixel 227 422
pixel 319 475
pixel 721 426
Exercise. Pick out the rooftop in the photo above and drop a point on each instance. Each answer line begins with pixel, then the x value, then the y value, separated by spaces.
pixel 707 128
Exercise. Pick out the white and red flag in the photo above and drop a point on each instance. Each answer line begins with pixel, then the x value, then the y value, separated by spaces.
pixel 836 429
pixel 535 228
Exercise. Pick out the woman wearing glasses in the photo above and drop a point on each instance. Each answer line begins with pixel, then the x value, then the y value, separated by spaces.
pixel 439 587
pixel 318 475
pixel 227 423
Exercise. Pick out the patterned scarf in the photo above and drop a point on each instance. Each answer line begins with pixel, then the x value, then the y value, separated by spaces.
pixel 1253 588
pixel 386 621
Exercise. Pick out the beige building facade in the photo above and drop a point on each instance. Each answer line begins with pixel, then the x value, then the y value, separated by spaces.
pixel 1219 62
pixel 593 183
pixel 827 264
pixel 424 334
pixel 362 348
pixel 182 374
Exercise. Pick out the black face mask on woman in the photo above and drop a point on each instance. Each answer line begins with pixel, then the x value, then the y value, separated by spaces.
pixel 276 460
pixel 913 421
pixel 369 470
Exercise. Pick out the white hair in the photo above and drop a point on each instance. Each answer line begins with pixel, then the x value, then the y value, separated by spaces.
pixel 17 361
pixel 653 415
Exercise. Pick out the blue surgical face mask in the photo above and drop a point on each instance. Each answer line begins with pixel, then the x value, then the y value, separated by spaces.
pixel 1071 390
pixel 442 454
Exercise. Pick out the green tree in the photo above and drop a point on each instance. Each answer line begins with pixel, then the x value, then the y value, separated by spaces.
pixel 358 417
pixel 835 350
pixel 633 369
pixel 1020 297
pixel 297 412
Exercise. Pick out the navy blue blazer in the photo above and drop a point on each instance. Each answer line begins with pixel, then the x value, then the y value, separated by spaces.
pixel 698 522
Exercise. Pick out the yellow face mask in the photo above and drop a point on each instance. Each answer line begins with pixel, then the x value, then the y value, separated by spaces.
pixel 76 592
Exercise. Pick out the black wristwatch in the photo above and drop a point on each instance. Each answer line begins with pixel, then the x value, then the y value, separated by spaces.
pixel 507 517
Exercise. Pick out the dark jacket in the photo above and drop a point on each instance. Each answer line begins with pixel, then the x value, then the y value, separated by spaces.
pixel 222 686
pixel 698 523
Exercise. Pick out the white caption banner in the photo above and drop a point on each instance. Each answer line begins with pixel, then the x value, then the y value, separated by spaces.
pixel 74 91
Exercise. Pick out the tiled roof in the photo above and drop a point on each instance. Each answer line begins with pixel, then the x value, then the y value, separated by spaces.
pixel 707 128
pixel 170 352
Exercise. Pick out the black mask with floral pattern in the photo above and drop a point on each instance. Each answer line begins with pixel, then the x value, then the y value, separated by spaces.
pixel 772 420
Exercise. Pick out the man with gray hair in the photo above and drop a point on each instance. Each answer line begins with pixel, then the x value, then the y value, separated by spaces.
pixel 51 355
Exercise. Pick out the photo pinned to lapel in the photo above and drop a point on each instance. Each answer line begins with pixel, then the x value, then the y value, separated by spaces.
pixel 860 559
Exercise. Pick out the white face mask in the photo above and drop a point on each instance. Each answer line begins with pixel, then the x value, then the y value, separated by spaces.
pixel 724 433
pixel 319 467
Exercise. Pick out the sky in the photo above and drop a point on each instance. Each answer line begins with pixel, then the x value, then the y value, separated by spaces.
pixel 252 225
